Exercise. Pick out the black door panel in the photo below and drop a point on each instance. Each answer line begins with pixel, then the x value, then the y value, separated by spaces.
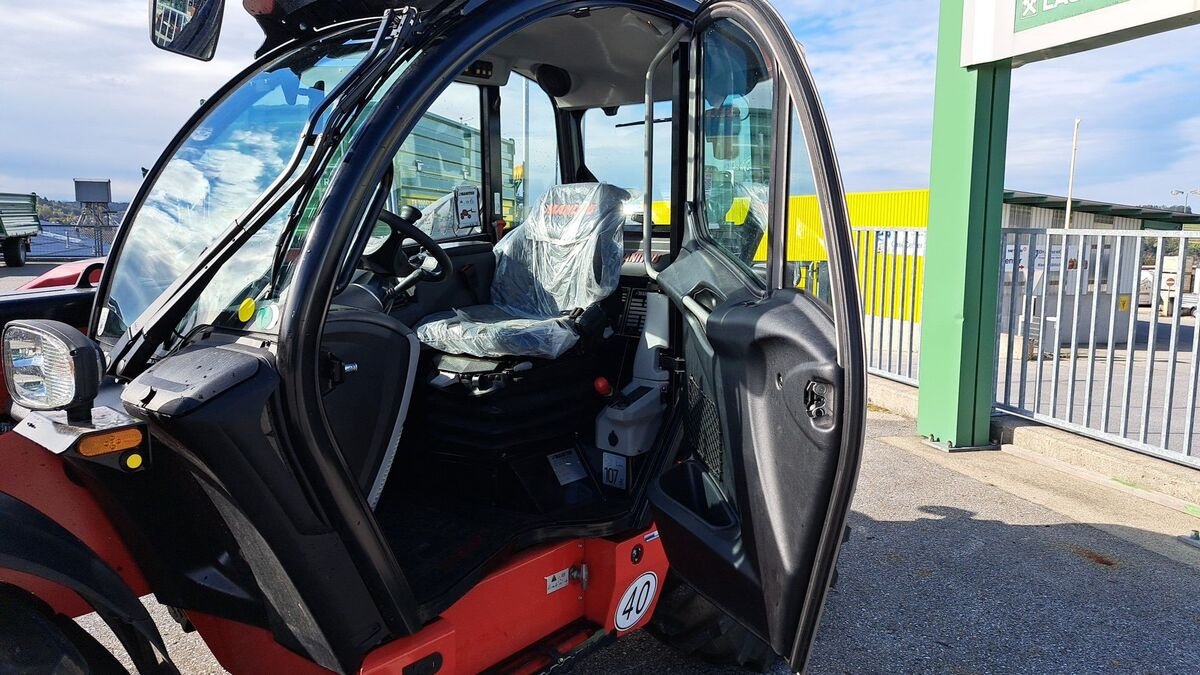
pixel 751 368
pixel 772 384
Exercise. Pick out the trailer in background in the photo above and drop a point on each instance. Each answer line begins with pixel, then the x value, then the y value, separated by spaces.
pixel 18 224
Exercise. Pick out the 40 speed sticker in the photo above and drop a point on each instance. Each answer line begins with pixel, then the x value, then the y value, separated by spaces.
pixel 636 601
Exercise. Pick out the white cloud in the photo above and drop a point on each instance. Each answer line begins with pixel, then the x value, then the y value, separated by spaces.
pixel 93 98
pixel 874 65
pixel 1138 133
pixel 87 95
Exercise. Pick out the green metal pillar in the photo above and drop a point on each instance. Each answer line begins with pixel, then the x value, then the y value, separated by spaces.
pixel 962 254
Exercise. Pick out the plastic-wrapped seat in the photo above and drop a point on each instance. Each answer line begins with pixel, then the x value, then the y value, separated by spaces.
pixel 563 260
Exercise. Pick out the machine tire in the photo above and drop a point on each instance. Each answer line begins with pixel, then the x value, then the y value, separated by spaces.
pixel 36 640
pixel 15 253
pixel 688 622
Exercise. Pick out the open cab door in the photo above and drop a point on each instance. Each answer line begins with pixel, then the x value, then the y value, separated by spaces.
pixel 753 513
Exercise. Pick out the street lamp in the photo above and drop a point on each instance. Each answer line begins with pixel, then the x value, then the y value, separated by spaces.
pixel 1186 194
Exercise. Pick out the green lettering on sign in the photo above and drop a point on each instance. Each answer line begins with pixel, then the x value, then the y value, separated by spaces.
pixel 1034 13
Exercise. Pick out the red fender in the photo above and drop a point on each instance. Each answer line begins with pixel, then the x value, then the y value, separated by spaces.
pixel 38 477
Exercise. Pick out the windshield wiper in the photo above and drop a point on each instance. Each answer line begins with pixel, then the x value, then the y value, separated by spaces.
pixel 142 339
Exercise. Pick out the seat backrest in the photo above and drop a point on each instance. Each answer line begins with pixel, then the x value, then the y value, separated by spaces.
pixel 566 255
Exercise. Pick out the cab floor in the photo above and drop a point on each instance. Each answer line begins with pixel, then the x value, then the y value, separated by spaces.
pixel 437 543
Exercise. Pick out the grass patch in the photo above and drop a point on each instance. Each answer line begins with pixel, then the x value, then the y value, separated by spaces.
pixel 1129 483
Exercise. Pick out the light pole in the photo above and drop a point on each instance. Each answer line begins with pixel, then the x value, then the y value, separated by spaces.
pixel 1186 195
pixel 1071 176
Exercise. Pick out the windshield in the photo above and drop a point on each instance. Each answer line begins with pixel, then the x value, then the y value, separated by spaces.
pixel 229 159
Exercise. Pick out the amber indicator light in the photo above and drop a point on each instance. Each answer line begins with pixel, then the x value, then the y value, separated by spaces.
pixel 110 441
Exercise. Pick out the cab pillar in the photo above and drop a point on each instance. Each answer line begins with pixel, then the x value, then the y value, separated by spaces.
pixel 962 258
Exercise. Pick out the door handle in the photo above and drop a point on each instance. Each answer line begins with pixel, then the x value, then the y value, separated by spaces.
pixel 699 311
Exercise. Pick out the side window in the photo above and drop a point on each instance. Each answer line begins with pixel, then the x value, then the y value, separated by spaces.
pixel 807 257
pixel 530 146
pixel 737 95
pixel 439 163
pixel 738 135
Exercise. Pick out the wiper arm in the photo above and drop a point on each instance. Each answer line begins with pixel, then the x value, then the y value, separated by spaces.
pixel 351 95
pixel 142 339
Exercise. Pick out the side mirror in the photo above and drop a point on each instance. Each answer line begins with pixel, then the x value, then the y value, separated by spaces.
pixel 188 27
pixel 49 365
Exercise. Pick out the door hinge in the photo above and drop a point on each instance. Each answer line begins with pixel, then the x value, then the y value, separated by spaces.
pixel 674 364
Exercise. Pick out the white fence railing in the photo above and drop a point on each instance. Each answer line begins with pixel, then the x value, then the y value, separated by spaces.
pixel 1098 335
pixel 891 270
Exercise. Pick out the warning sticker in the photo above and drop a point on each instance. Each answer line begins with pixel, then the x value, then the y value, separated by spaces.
pixel 567 467
pixel 558 580
pixel 614 470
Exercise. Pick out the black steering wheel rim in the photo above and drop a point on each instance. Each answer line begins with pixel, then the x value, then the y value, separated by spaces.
pixel 409 230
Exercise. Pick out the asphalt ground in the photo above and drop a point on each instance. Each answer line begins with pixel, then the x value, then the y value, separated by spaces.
pixel 13 277
pixel 955 565
pixel 984 563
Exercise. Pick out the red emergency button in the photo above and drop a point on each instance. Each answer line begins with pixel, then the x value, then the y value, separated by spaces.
pixel 602 386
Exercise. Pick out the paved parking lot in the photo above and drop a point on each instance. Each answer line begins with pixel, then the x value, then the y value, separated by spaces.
pixel 13 277
pixel 983 563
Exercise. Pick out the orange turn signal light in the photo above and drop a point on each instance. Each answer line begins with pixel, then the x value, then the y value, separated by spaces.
pixel 110 441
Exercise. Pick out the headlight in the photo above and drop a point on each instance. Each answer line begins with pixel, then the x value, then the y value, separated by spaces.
pixel 48 365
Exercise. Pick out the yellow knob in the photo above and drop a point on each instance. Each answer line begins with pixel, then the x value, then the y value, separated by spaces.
pixel 246 310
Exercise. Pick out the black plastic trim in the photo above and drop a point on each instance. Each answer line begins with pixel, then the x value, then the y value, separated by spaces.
pixel 32 543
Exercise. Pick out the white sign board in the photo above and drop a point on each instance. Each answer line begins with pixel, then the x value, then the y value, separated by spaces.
pixel 1033 30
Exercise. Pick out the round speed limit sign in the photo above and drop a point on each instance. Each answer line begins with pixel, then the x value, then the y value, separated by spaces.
pixel 636 601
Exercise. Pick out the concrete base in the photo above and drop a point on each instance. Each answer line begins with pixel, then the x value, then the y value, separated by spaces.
pixel 951 449
pixel 892 396
pixel 1190 541
pixel 1125 467
pixel 1157 480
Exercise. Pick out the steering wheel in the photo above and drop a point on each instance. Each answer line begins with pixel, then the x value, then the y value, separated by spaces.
pixel 431 263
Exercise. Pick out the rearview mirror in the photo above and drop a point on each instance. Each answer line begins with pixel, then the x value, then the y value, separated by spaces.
pixel 723 129
pixel 188 27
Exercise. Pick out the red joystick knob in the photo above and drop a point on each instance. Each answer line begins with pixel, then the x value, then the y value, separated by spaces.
pixel 602 386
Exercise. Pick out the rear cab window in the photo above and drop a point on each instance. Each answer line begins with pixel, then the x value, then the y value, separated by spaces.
pixel 614 149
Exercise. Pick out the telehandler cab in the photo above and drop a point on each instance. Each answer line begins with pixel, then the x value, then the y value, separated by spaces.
pixel 359 392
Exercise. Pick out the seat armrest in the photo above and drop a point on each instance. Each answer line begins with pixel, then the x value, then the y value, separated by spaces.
pixel 591 323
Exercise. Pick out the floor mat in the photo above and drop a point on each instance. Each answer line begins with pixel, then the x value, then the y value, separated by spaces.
pixel 437 545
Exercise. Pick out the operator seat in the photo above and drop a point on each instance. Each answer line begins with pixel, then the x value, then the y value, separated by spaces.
pixel 551 273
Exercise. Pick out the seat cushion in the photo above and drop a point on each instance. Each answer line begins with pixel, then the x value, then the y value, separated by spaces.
pixel 489 331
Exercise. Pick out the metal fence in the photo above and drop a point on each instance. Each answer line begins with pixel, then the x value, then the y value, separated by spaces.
pixel 1097 335
pixel 71 242
pixel 890 264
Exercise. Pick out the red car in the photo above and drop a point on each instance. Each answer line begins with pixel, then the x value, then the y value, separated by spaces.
pixel 68 274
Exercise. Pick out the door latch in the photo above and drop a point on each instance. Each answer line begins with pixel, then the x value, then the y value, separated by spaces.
pixel 816 399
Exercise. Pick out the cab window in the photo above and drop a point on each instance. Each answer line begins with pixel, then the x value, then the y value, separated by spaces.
pixel 807 257
pixel 737 95
pixel 439 168
pixel 614 147
pixel 529 146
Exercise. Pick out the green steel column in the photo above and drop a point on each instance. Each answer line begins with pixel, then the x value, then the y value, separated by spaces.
pixel 962 255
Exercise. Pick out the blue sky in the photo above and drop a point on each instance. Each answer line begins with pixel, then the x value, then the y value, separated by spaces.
pixel 86 95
